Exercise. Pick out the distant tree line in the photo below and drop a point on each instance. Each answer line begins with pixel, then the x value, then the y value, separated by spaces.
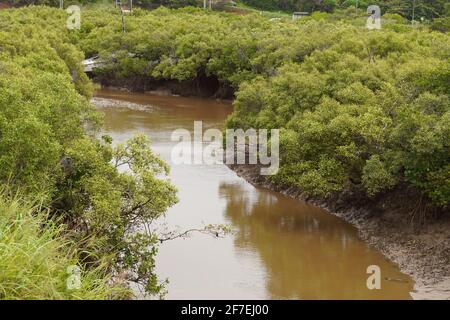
pixel 166 3
pixel 428 9
pixel 140 3
pixel 423 8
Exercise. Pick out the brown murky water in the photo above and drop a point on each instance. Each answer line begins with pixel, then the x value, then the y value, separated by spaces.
pixel 281 248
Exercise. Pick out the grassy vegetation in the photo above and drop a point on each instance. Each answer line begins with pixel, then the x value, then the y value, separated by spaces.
pixel 35 258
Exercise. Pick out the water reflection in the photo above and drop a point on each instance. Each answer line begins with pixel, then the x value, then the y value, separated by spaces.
pixel 307 253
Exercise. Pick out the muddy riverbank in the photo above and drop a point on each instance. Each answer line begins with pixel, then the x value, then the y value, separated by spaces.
pixel 419 245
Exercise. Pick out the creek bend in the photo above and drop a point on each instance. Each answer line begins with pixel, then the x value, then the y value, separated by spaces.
pixel 281 248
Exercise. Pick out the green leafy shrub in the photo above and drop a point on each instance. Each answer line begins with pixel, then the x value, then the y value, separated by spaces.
pixel 441 24
pixel 49 150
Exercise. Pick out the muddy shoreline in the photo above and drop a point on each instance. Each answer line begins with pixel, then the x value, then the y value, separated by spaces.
pixel 421 249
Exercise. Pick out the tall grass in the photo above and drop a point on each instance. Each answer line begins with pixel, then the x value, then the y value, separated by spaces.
pixel 35 257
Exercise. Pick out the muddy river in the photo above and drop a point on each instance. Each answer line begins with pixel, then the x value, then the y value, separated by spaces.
pixel 280 248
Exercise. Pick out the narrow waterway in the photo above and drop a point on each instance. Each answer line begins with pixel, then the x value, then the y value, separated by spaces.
pixel 280 249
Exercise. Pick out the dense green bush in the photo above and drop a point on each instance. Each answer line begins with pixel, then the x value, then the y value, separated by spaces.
pixel 183 44
pixel 441 24
pixel 49 149
pixel 356 106
pixel 369 110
